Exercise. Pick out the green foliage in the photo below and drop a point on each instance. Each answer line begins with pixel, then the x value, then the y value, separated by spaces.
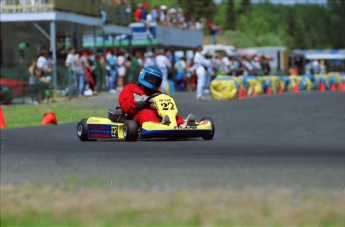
pixel 296 26
pixel 230 21
pixel 243 39
pixel 299 26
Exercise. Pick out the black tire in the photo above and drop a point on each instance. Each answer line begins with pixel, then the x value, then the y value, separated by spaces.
pixel 82 130
pixel 130 130
pixel 209 136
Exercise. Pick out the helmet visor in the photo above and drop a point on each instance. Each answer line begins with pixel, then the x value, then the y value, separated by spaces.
pixel 152 79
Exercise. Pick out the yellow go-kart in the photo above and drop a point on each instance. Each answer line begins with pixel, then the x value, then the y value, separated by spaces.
pixel 118 127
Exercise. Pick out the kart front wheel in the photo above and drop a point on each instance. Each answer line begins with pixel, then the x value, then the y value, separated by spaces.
pixel 130 130
pixel 209 136
pixel 82 130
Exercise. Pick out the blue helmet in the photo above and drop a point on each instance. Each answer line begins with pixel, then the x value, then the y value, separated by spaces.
pixel 151 77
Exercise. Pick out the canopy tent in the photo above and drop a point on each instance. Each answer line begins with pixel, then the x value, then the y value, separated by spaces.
pixel 51 23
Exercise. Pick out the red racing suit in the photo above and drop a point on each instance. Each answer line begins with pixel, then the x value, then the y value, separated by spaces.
pixel 129 96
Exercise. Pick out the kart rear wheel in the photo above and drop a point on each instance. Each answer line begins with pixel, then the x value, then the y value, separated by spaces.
pixel 130 130
pixel 209 136
pixel 82 130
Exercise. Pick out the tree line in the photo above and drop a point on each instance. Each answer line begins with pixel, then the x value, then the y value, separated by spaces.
pixel 245 24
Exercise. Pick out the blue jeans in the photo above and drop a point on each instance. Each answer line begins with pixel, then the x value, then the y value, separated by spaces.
pixel 112 79
pixel 79 81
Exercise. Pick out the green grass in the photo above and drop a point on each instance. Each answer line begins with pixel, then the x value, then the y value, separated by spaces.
pixel 19 116
pixel 51 205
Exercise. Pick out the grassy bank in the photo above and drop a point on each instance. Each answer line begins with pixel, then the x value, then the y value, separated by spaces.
pixel 57 206
pixel 18 116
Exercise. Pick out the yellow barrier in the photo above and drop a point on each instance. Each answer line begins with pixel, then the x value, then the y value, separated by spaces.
pixel 224 88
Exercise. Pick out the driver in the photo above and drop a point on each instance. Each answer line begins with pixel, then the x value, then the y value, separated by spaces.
pixel 132 99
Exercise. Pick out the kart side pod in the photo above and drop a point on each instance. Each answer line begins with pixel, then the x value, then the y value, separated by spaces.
pixel 96 128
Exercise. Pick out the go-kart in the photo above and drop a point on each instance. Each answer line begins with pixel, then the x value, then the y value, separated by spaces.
pixel 119 127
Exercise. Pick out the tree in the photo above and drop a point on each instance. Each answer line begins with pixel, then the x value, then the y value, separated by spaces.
pixel 230 22
pixel 245 7
pixel 295 31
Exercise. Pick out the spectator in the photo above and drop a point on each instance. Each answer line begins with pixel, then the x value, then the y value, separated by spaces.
pixel 163 15
pixel 155 14
pixel 256 67
pixel 149 20
pixel 213 30
pixel 33 82
pixel 137 13
pixel 90 82
pixel 144 12
pixel 181 80
pixel 246 68
pixel 210 72
pixel 78 66
pixel 121 66
pixel 68 64
pixel 200 65
pixel 322 67
pixel 95 69
pixel 112 75
pixel 42 62
pixel 218 64
pixel 315 66
pixel 233 66
pixel 265 66
pixel 225 63
pixel 149 59
pixel 134 67
pixel 42 70
pixel 164 65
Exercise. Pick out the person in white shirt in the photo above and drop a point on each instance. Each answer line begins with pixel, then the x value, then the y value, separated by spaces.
pixel 42 62
pixel 68 64
pixel 164 65
pixel 200 65
pixel 42 69
pixel 225 64
pixel 149 59
pixel 121 64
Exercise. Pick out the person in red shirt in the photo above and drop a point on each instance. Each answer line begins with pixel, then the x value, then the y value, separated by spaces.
pixel 137 13
pixel 132 99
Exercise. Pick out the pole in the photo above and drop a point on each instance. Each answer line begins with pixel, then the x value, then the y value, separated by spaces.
pixel 53 49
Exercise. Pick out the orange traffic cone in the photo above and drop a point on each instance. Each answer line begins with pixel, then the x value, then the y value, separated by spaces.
pixel 342 87
pixel 322 87
pixel 280 89
pixel 296 89
pixel 242 93
pixel 269 90
pixel 2 119
pixel 254 92
pixel 333 88
pixel 49 118
pixel 239 93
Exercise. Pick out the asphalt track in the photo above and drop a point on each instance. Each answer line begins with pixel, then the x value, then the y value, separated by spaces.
pixel 289 140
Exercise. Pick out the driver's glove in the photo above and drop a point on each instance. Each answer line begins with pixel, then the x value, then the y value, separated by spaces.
pixel 142 105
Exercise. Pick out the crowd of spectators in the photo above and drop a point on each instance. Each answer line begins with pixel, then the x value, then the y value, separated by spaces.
pixel 40 78
pixel 90 72
pixel 163 15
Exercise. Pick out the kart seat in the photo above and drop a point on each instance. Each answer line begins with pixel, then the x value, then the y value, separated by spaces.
pixel 117 115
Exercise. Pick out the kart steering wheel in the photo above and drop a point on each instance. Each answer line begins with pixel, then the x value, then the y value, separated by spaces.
pixel 151 97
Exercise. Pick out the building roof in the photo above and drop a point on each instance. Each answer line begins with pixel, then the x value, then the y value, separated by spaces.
pixel 62 17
